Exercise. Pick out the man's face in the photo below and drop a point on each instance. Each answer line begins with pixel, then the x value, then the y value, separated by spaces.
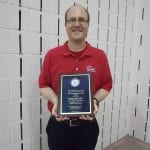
pixel 77 24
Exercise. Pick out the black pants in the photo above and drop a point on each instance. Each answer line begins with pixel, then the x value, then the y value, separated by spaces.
pixel 72 135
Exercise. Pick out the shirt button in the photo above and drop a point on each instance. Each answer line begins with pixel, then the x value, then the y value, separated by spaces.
pixel 77 68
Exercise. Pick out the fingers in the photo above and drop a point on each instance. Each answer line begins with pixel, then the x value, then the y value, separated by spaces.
pixel 62 118
pixel 58 117
pixel 96 108
pixel 86 117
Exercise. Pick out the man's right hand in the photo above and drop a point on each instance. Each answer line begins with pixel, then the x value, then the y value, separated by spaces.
pixel 55 113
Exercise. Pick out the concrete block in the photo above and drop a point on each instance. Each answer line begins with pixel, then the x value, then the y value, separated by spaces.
pixel 15 132
pixel 93 28
pixel 122 7
pixel 129 37
pixel 62 40
pixel 5 90
pixel 112 63
pixel 35 21
pixel 113 20
pixel 5 135
pixel 93 14
pixel 31 128
pixel 30 65
pixel 103 18
pixel 11 146
pixel 4 38
pixel 8 13
pixel 45 119
pixel 35 106
pixel 9 41
pixel 44 106
pixel 114 128
pixel 30 107
pixel 91 2
pixel 114 6
pixel 7 107
pixel 30 87
pixel 49 23
pixel 121 22
pixel 30 43
pixel 119 51
pixel 13 2
pixel 125 75
pixel 3 0
pixel 50 6
pixel 103 34
pixel 36 143
pixel 127 51
pixel 147 133
pixel 25 19
pixel 112 35
pixel 130 12
pixel 27 144
pixel 48 43
pixel 118 76
pixel 62 30
pixel 104 5
pixel 27 108
pixel 26 65
pixel 64 5
pixel 102 45
pixel 14 89
pixel 44 142
pixel 120 36
pixel 119 64
pixel 35 4
pixel 9 69
pixel 13 41
pixel 129 25
pixel 35 65
pixel 111 50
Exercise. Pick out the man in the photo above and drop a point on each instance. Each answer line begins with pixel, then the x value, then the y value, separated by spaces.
pixel 75 56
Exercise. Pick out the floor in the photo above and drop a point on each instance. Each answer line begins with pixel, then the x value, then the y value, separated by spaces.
pixel 129 143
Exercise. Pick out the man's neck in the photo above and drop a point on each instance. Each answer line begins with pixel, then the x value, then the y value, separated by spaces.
pixel 76 47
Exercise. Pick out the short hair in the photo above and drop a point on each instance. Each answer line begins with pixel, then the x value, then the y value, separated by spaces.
pixel 88 15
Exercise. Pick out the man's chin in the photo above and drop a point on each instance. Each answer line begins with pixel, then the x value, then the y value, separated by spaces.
pixel 77 39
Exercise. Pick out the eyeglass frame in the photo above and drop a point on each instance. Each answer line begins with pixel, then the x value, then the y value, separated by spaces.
pixel 81 21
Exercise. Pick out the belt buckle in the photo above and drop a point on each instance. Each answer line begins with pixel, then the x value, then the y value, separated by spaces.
pixel 72 124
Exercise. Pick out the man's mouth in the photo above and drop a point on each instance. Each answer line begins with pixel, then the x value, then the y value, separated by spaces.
pixel 77 30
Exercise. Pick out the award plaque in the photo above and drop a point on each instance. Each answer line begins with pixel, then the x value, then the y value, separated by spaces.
pixel 75 96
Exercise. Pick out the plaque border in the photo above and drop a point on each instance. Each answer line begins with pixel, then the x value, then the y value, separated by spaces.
pixel 75 114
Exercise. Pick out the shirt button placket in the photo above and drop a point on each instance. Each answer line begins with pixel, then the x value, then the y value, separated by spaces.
pixel 77 65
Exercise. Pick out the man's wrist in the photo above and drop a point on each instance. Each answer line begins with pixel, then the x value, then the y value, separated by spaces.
pixel 97 101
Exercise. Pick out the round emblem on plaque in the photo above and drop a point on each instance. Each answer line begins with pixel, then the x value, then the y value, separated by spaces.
pixel 75 82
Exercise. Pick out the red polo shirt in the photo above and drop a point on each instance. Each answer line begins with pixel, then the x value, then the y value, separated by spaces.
pixel 61 60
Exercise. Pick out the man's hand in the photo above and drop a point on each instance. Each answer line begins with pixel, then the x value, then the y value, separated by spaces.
pixel 89 117
pixel 55 113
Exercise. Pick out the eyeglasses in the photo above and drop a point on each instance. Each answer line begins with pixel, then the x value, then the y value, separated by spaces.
pixel 81 21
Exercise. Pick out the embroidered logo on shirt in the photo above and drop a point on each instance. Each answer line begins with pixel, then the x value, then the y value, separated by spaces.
pixel 90 69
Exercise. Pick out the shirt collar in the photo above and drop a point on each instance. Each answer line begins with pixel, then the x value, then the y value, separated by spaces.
pixel 67 52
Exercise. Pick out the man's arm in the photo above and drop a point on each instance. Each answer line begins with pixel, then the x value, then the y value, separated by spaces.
pixel 49 94
pixel 101 94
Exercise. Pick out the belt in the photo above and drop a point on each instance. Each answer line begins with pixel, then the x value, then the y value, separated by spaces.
pixel 75 122
pixel 72 122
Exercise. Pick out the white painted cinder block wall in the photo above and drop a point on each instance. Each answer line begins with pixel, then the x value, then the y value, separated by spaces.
pixel 140 75
pixel 29 28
